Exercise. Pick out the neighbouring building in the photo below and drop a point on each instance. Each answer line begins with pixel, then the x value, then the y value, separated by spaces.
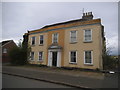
pixel 6 47
pixel 76 43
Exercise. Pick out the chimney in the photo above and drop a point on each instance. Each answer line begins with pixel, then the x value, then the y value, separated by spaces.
pixel 87 16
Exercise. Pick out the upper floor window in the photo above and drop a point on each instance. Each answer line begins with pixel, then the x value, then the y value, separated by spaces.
pixel 87 35
pixel 32 55
pixel 41 39
pixel 40 56
pixel 33 41
pixel 4 50
pixel 73 56
pixel 88 57
pixel 55 38
pixel 73 36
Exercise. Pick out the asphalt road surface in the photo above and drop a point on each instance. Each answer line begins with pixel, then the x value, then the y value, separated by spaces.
pixel 20 82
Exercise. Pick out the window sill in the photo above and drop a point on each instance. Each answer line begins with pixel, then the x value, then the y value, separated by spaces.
pixel 54 42
pixel 40 61
pixel 73 63
pixel 87 41
pixel 73 42
pixel 32 45
pixel 88 64
pixel 40 44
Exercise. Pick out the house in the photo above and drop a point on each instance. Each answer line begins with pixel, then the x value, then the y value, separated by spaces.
pixel 6 47
pixel 76 43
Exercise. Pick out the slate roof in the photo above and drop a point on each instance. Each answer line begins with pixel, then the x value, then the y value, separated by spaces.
pixel 77 20
pixel 4 42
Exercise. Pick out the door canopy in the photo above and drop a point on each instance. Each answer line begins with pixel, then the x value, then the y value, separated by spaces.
pixel 54 46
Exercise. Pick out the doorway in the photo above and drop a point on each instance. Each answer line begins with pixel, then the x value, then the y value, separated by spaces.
pixel 54 58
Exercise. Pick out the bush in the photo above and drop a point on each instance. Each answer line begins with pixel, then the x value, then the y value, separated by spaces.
pixel 18 55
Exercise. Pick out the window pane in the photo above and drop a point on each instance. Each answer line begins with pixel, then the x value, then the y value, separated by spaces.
pixel 73 56
pixel 33 40
pixel 41 39
pixel 88 61
pixel 32 55
pixel 73 39
pixel 4 50
pixel 40 55
pixel 74 59
pixel 87 32
pixel 55 38
pixel 88 58
pixel 87 35
pixel 73 36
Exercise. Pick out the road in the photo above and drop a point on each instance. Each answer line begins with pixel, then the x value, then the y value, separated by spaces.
pixel 20 82
pixel 109 80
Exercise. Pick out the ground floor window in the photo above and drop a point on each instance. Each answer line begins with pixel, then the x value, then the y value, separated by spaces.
pixel 40 56
pixel 73 56
pixel 88 57
pixel 32 55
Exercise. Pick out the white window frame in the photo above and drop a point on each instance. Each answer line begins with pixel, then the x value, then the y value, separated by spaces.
pixel 53 37
pixel 31 40
pixel 71 35
pixel 70 57
pixel 40 38
pixel 42 56
pixel 31 56
pixel 4 50
pixel 91 58
pixel 91 35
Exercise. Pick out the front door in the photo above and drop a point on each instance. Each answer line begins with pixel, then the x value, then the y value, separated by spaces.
pixel 54 58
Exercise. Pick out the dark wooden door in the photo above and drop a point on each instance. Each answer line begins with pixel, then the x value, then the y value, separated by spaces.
pixel 54 58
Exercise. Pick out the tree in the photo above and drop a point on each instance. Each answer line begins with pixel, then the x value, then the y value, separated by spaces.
pixel 109 62
pixel 19 55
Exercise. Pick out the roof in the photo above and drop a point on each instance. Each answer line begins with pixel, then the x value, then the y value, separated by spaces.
pixel 5 42
pixel 67 22
pixel 87 19
pixel 77 22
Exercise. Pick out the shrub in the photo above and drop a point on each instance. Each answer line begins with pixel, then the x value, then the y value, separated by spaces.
pixel 18 55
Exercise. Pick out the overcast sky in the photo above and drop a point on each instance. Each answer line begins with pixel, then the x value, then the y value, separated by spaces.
pixel 18 17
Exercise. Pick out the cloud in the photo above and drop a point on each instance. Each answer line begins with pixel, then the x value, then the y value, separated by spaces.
pixel 112 44
pixel 19 17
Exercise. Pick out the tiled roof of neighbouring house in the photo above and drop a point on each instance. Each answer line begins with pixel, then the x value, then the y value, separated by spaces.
pixel 4 42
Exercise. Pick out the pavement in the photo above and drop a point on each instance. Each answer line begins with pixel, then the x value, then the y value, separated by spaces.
pixel 73 78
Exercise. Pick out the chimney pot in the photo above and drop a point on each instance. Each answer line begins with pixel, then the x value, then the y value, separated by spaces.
pixel 83 14
pixel 90 13
pixel 87 16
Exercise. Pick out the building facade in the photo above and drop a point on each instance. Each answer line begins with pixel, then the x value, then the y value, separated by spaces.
pixel 77 43
pixel 6 47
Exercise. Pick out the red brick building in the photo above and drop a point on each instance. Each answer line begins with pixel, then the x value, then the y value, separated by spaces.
pixel 6 47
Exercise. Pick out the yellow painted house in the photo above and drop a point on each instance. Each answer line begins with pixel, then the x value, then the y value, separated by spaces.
pixel 77 43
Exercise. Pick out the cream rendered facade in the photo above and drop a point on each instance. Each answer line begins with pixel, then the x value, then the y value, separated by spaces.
pixel 81 46
pixel 37 48
pixel 62 49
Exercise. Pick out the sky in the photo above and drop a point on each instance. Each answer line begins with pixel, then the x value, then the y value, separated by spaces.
pixel 18 17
